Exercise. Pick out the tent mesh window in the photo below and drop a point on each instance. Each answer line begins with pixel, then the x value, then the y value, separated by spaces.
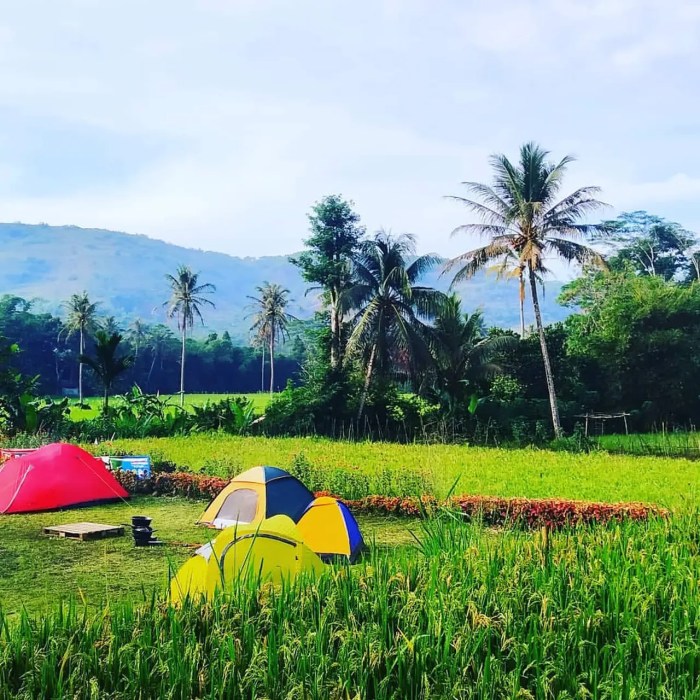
pixel 240 506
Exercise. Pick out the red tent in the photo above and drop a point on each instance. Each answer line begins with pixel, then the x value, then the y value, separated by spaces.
pixel 56 476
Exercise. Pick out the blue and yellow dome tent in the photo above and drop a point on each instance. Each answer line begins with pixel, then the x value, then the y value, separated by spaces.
pixel 330 529
pixel 256 494
pixel 271 551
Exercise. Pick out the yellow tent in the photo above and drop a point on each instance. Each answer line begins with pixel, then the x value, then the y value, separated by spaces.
pixel 269 551
pixel 256 494
pixel 330 529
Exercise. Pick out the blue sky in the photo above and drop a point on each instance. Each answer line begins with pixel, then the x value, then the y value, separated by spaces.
pixel 216 124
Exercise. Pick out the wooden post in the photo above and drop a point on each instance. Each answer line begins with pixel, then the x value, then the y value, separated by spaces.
pixel 586 425
pixel 624 418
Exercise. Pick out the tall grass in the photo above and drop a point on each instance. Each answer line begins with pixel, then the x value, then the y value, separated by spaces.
pixel 595 612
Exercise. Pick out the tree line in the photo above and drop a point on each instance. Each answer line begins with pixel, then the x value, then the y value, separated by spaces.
pixel 387 336
pixel 49 348
pixel 387 350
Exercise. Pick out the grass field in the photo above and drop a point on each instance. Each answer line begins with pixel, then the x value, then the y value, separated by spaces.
pixel 259 399
pixel 38 571
pixel 605 612
pixel 390 469
pixel 470 612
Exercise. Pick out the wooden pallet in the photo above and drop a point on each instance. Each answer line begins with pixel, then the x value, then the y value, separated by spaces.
pixel 85 531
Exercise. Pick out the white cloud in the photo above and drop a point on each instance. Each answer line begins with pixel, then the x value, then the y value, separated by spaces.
pixel 677 188
pixel 261 108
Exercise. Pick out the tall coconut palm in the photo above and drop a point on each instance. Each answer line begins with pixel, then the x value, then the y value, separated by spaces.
pixel 157 340
pixel 109 325
pixel 462 352
pixel 185 304
pixel 138 333
pixel 511 267
pixel 521 216
pixel 81 319
pixel 105 363
pixel 259 341
pixel 390 305
pixel 271 320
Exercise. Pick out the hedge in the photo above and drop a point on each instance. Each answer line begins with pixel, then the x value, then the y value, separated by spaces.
pixel 491 510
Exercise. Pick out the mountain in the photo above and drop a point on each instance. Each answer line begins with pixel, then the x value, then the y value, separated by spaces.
pixel 125 272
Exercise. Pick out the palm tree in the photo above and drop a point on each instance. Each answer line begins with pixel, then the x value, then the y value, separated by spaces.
pixel 461 352
pixel 510 267
pixel 138 332
pixel 258 341
pixel 109 325
pixel 390 305
pixel 81 320
pixel 271 320
pixel 158 338
pixel 522 217
pixel 185 304
pixel 106 365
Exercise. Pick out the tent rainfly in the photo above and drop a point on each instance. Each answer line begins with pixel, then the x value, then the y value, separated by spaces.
pixel 270 551
pixel 53 477
pixel 259 493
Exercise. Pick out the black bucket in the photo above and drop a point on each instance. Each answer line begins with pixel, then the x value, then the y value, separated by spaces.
pixel 142 536
pixel 143 532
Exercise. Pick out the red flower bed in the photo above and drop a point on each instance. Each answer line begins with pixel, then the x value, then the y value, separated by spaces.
pixel 173 484
pixel 491 510
pixel 530 512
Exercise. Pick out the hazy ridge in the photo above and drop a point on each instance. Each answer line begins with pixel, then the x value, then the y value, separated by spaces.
pixel 125 272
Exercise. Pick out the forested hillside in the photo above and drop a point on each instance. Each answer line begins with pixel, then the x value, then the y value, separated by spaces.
pixel 125 273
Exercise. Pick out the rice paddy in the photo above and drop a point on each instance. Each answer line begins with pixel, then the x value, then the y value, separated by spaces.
pixel 358 469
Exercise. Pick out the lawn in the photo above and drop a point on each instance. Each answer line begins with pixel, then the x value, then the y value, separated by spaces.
pixel 259 399
pixel 391 469
pixel 37 571
pixel 606 612
pixel 466 611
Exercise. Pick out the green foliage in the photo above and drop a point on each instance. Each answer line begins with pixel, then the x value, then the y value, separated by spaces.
pixel 639 337
pixel 271 321
pixel 531 473
pixel 21 411
pixel 137 415
pixel 232 415
pixel 81 319
pixel 391 308
pixel 524 222
pixel 505 388
pixel 105 362
pixel 652 246
pixel 335 233
pixel 462 356
pixel 215 364
pixel 327 262
pixel 187 298
pixel 353 483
